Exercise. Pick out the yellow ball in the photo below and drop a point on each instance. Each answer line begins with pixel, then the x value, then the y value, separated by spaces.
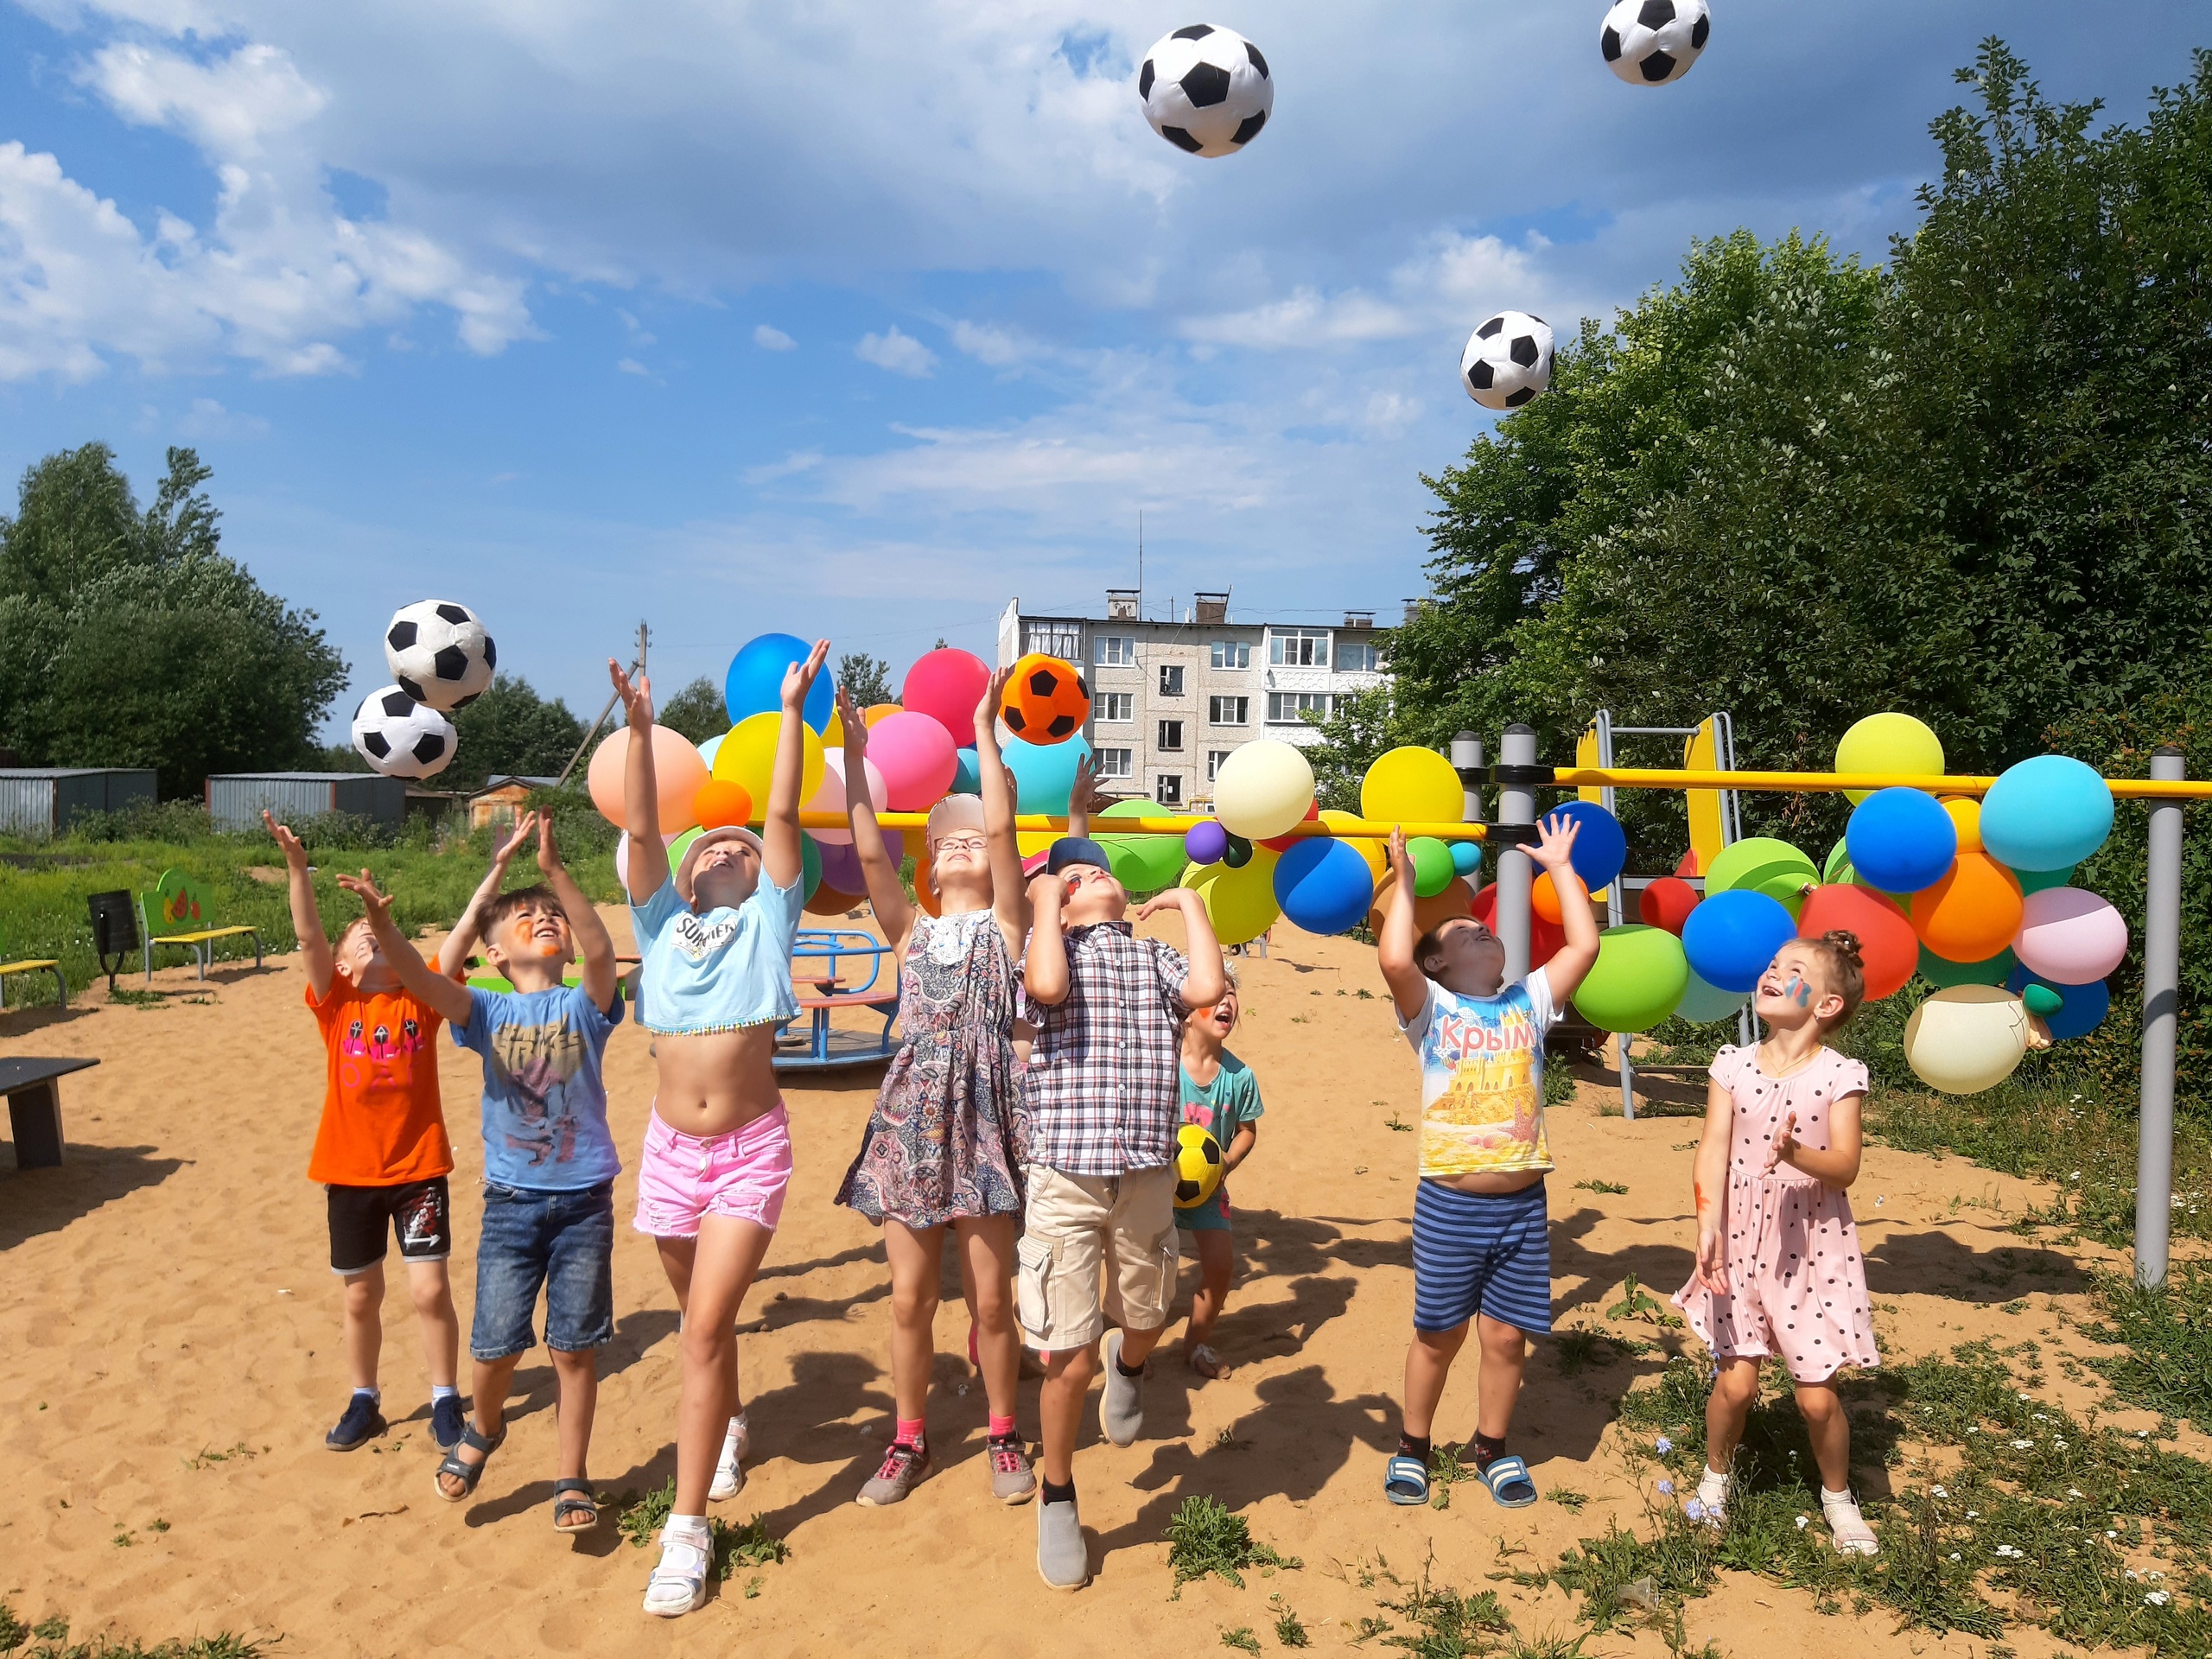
pixel 1241 902
pixel 1411 785
pixel 747 758
pixel 1966 818
pixel 1263 789
pixel 1967 1038
pixel 1892 743
pixel 1366 846
pixel 1197 1165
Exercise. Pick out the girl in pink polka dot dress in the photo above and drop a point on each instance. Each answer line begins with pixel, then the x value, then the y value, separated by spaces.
pixel 1779 1272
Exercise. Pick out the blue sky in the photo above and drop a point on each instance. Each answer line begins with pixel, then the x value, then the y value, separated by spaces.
pixel 858 320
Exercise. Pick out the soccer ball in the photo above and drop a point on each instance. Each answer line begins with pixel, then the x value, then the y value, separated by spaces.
pixel 439 653
pixel 1206 90
pixel 1508 360
pixel 400 737
pixel 1045 701
pixel 1197 1165
pixel 1650 42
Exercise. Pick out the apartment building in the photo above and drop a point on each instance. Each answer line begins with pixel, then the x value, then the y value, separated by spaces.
pixel 1172 699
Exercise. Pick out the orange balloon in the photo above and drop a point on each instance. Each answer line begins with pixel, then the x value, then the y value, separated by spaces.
pixel 1972 914
pixel 1966 818
pixel 1543 898
pixel 827 902
pixel 719 802
pixel 876 713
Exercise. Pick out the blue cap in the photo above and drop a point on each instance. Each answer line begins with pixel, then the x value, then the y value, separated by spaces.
pixel 1076 849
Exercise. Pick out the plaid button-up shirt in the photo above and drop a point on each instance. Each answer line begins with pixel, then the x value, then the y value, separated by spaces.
pixel 1102 1087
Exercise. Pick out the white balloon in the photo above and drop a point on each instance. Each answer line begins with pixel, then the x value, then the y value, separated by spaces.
pixel 830 798
pixel 1967 1038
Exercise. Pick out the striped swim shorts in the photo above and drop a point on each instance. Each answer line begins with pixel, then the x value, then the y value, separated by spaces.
pixel 1490 1252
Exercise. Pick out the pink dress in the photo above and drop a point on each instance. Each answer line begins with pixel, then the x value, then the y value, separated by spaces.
pixel 1798 1283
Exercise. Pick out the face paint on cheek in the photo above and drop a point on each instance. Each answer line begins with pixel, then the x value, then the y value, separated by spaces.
pixel 1795 989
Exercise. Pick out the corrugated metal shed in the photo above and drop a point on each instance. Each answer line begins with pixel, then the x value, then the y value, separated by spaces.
pixel 47 800
pixel 235 799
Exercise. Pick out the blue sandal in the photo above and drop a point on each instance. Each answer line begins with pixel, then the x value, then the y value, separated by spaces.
pixel 1509 1484
pixel 467 1474
pixel 1405 1480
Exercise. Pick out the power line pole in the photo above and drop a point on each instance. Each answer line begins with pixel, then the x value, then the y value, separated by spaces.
pixel 636 671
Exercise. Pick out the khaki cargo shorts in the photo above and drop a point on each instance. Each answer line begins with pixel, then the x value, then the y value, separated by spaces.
pixel 1078 1225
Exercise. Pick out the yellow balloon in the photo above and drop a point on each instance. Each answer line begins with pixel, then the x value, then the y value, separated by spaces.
pixel 1029 842
pixel 1411 785
pixel 1241 902
pixel 1891 742
pixel 1368 849
pixel 1966 818
pixel 748 757
pixel 1967 1038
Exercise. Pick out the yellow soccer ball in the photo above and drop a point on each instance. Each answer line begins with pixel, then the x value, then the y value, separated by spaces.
pixel 1197 1165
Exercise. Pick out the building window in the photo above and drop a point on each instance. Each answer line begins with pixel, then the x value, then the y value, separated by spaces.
pixel 1116 650
pixel 1060 639
pixel 1171 680
pixel 1168 788
pixel 1214 758
pixel 1171 736
pixel 1229 711
pixel 1114 706
pixel 1115 763
pixel 1356 656
pixel 1299 647
pixel 1291 708
pixel 1232 653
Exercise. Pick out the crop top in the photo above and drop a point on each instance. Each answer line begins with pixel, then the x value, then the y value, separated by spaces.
pixel 722 971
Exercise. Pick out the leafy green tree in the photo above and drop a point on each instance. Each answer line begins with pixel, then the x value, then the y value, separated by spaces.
pixel 128 638
pixel 868 678
pixel 698 711
pixel 511 730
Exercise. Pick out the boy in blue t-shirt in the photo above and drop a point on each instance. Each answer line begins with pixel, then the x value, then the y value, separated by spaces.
pixel 1219 1091
pixel 550 1162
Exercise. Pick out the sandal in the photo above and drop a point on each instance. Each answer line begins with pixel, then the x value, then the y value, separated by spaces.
pixel 1405 1480
pixel 1848 1527
pixel 467 1474
pixel 1206 1362
pixel 678 1584
pixel 1509 1482
pixel 574 1496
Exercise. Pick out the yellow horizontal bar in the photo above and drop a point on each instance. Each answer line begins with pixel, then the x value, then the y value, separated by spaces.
pixel 1807 782
pixel 1358 829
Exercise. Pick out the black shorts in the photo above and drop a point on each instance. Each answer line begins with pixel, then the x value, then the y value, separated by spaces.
pixel 419 1211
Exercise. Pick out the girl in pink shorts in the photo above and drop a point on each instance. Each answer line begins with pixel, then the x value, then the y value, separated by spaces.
pixel 1779 1272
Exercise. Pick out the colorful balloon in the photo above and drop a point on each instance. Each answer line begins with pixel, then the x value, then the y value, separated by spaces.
pixel 1702 1004
pixel 1972 912
pixel 1323 886
pixel 1412 785
pixel 1366 845
pixel 1285 843
pixel 1965 817
pixel 917 759
pixel 1901 840
pixel 2046 812
pixel 1762 864
pixel 1666 903
pixel 1236 852
pixel 1638 980
pixel 947 684
pixel 1942 974
pixel 1454 900
pixel 754 684
pixel 1044 772
pixel 1467 857
pixel 1888 742
pixel 2069 936
pixel 1141 863
pixel 830 798
pixel 1732 936
pixel 1263 789
pixel 1543 898
pixel 1241 902
pixel 1205 843
pixel 717 804
pixel 1966 1039
pixel 748 757
pixel 1600 844
pixel 1888 952
pixel 2080 1008
pixel 677 773
pixel 1432 862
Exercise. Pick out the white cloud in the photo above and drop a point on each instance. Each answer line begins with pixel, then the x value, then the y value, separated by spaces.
pixel 772 340
pixel 207 418
pixel 631 365
pixel 902 353
pixel 1450 277
pixel 989 343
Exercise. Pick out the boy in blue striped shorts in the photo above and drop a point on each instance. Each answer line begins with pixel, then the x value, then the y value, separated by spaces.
pixel 1481 1250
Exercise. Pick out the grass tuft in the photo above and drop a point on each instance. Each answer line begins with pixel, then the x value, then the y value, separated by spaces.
pixel 640 1519
pixel 50 1637
pixel 1205 1539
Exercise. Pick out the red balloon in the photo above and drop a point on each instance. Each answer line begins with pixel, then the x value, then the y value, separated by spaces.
pixel 1284 843
pixel 1888 948
pixel 946 684
pixel 1545 939
pixel 1666 903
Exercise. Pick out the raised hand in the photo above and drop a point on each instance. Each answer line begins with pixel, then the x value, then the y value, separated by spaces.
pixel 637 697
pixel 516 837
pixel 855 727
pixel 549 855
pixel 799 678
pixel 1554 843
pixel 1173 898
pixel 1402 861
pixel 1784 1149
pixel 295 856
pixel 1083 794
pixel 986 711
pixel 378 905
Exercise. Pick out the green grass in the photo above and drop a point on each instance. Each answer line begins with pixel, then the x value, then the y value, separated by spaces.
pixel 1615 1188
pixel 1241 1639
pixel 2165 1341
pixel 640 1518
pixel 49 1639
pixel 1204 1538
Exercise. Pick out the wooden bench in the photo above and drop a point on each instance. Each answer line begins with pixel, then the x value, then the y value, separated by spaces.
pixel 822 994
pixel 35 965
pixel 175 912
pixel 33 1088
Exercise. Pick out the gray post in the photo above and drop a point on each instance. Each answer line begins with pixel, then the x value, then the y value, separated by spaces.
pixel 1467 750
pixel 2154 1150
pixel 1516 872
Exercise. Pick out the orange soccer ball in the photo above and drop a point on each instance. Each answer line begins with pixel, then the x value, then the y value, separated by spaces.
pixel 1046 701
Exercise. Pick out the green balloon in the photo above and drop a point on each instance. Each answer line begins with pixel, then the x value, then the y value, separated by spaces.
pixel 1638 980
pixel 1762 864
pixel 809 868
pixel 1144 863
pixel 2036 880
pixel 1237 853
pixel 2043 1001
pixel 1943 973
pixel 1432 866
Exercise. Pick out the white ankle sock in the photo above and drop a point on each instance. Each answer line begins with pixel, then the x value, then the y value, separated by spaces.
pixel 443 1391
pixel 685 1528
pixel 1831 1500
pixel 1712 1488
pixel 376 1394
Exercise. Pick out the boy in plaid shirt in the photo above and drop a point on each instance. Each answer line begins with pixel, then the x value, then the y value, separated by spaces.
pixel 1101 1093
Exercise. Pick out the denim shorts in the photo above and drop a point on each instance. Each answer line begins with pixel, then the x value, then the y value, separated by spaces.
pixel 562 1241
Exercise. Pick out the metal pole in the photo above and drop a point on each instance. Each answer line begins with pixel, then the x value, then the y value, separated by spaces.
pixel 1467 752
pixel 2154 1150
pixel 1516 872
pixel 636 668
pixel 1605 798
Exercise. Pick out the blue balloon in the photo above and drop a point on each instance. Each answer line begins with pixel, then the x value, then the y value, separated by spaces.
pixel 1466 857
pixel 1731 937
pixel 1901 840
pixel 1600 847
pixel 2082 1008
pixel 2046 813
pixel 1324 886
pixel 1204 844
pixel 968 777
pixel 708 749
pixel 1044 772
pixel 755 683
pixel 1702 1004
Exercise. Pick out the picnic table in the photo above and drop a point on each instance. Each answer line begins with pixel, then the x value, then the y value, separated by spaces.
pixel 33 1088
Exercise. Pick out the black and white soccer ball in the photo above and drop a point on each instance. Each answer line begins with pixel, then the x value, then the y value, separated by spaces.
pixel 1508 360
pixel 1650 42
pixel 400 737
pixel 1206 90
pixel 439 653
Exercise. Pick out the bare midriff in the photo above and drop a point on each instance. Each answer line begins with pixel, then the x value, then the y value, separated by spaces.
pixel 1492 1183
pixel 712 1081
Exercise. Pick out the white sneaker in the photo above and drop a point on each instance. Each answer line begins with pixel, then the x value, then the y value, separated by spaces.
pixel 1846 1526
pixel 678 1584
pixel 729 1468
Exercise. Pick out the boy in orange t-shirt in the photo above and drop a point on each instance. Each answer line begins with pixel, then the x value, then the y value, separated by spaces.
pixel 381 1154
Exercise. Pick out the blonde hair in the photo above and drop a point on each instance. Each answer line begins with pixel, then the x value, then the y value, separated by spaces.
pixel 1838 951
pixel 347 932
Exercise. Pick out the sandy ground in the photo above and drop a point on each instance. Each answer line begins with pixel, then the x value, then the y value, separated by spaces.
pixel 166 1294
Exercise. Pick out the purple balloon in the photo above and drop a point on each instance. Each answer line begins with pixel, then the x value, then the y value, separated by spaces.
pixel 841 862
pixel 1205 843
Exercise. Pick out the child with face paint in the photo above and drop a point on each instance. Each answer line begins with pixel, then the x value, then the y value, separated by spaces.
pixel 1779 1271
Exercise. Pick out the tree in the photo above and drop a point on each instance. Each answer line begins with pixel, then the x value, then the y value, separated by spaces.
pixel 129 638
pixel 511 730
pixel 868 678
pixel 698 711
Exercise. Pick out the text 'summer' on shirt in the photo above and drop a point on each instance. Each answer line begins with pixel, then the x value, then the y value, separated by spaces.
pixel 722 971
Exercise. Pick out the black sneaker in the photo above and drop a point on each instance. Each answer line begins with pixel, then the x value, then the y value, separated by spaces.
pixel 446 1421
pixel 362 1423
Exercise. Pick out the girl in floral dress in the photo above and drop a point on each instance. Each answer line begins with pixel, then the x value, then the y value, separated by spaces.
pixel 945 1145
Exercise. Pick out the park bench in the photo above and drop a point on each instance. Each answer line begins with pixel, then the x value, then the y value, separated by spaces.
pixel 819 959
pixel 33 1088
pixel 34 965
pixel 176 913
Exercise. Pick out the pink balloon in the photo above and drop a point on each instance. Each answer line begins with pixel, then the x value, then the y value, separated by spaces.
pixel 677 773
pixel 2071 937
pixel 917 757
pixel 830 798
pixel 946 684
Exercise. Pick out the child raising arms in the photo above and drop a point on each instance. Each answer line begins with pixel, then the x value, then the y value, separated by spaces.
pixel 1220 1093
pixel 1778 1266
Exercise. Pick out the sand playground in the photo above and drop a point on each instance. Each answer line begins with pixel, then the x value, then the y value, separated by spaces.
pixel 167 1367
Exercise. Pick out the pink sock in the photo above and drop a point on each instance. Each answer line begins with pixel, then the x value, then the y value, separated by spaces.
pixel 910 1432
pixel 1002 1428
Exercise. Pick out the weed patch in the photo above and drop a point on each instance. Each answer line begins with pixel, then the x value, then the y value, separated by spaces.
pixel 1204 1538
pixel 49 1639
pixel 2165 1341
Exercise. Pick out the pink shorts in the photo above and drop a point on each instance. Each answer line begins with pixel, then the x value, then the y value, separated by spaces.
pixel 741 1174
